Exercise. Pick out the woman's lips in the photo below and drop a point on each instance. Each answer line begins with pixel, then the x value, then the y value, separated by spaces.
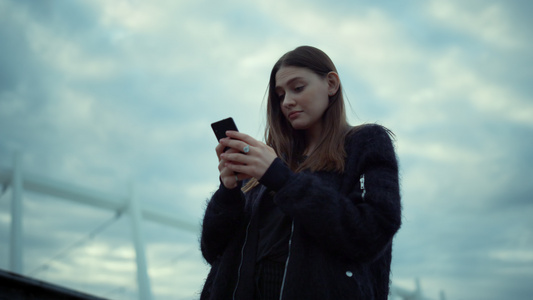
pixel 293 115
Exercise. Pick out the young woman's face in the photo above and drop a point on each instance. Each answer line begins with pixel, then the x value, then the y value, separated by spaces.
pixel 303 97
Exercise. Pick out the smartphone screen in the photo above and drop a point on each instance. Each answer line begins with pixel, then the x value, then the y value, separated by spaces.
pixel 220 127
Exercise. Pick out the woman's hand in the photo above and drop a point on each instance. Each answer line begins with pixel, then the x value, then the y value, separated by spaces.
pixel 227 176
pixel 247 156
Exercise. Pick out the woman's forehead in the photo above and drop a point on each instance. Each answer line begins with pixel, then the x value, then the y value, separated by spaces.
pixel 288 74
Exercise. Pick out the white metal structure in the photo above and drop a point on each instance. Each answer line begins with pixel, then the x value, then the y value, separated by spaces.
pixel 20 182
pixel 397 293
pixel 404 294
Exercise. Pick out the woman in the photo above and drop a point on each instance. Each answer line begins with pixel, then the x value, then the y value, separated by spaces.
pixel 312 213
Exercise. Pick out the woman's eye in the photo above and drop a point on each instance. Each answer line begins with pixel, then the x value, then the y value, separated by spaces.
pixel 299 88
pixel 281 96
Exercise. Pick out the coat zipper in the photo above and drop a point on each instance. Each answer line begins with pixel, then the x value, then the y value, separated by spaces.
pixel 242 259
pixel 362 181
pixel 286 263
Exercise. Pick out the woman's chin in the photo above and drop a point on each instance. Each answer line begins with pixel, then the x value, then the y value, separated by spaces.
pixel 297 126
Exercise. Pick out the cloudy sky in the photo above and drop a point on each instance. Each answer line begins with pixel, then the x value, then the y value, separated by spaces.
pixel 112 94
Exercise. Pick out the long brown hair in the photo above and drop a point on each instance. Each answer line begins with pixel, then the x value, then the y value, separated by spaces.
pixel 290 144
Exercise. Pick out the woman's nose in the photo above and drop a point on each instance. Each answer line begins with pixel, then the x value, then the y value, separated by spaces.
pixel 288 101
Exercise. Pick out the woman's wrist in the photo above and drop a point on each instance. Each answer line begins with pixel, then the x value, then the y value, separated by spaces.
pixel 276 176
pixel 223 186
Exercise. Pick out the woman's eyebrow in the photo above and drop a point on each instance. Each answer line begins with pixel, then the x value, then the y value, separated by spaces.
pixel 289 81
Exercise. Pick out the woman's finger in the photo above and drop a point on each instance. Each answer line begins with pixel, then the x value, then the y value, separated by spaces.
pixel 238 157
pixel 227 176
pixel 219 150
pixel 237 145
pixel 254 163
pixel 230 179
pixel 236 135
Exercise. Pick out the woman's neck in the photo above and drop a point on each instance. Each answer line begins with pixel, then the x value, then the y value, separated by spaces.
pixel 312 139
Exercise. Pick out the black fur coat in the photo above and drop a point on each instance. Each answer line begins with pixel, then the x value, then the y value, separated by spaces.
pixel 343 226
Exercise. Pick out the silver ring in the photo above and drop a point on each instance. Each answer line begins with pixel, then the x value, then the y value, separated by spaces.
pixel 246 149
pixel 236 178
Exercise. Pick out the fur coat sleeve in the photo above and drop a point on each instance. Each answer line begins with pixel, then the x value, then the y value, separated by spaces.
pixel 354 219
pixel 224 215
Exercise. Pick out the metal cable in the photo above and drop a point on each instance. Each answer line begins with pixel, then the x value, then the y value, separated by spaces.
pixel 76 244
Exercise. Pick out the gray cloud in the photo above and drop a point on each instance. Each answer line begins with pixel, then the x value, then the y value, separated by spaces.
pixel 105 93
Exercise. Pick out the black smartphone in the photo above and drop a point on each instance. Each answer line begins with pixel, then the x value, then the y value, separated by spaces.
pixel 220 127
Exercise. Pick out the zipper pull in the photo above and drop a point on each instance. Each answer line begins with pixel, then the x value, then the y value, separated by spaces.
pixel 362 181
